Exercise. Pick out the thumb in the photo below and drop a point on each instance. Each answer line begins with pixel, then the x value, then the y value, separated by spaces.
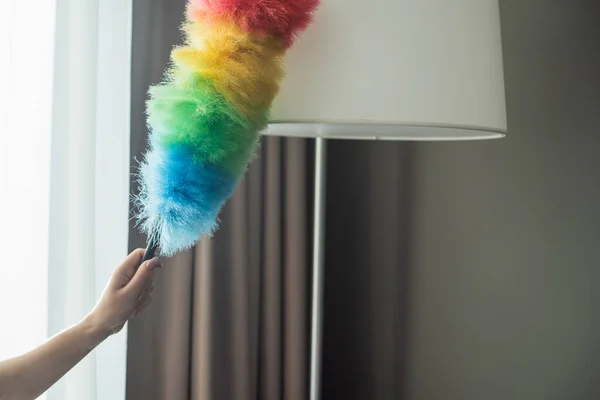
pixel 125 272
pixel 143 273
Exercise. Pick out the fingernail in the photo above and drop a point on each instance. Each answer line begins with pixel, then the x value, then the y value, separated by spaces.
pixel 156 262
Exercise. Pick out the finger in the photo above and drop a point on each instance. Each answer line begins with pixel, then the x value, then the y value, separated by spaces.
pixel 141 277
pixel 142 306
pixel 148 292
pixel 126 270
pixel 147 286
pixel 145 292
pixel 151 282
pixel 117 328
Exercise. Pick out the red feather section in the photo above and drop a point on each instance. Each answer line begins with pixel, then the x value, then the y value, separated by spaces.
pixel 281 18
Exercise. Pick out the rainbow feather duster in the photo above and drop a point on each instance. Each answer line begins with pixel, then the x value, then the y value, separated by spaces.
pixel 206 116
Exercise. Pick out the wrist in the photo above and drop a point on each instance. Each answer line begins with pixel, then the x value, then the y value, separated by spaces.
pixel 94 330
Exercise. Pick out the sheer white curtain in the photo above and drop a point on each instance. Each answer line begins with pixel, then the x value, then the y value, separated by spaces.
pixel 26 52
pixel 64 173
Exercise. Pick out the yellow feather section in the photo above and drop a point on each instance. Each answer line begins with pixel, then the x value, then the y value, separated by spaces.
pixel 245 68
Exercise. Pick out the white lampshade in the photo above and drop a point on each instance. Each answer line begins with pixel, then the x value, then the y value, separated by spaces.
pixel 395 69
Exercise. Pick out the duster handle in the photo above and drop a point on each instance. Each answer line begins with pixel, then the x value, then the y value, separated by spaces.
pixel 150 250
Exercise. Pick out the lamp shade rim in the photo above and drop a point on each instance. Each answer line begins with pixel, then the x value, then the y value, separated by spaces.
pixel 369 130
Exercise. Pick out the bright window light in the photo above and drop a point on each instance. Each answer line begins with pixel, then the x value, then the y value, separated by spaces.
pixel 26 71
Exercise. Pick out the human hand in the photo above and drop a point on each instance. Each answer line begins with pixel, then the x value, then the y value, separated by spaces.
pixel 127 293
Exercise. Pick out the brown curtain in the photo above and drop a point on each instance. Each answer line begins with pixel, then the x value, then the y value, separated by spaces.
pixel 367 275
pixel 229 320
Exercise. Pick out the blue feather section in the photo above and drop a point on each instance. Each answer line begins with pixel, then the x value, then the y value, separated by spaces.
pixel 180 199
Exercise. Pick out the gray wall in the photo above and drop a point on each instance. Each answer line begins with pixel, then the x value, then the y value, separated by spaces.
pixel 505 260
pixel 468 271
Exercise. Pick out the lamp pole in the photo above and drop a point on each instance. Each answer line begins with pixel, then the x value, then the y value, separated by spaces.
pixel 316 331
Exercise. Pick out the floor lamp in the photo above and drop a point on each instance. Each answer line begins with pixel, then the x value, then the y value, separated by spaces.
pixel 389 70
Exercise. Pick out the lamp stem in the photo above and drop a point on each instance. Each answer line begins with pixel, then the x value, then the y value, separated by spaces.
pixel 316 331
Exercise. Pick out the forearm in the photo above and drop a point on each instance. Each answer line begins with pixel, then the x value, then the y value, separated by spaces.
pixel 28 376
pixel 127 293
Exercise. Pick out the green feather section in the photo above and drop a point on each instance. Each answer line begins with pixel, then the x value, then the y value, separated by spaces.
pixel 187 110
